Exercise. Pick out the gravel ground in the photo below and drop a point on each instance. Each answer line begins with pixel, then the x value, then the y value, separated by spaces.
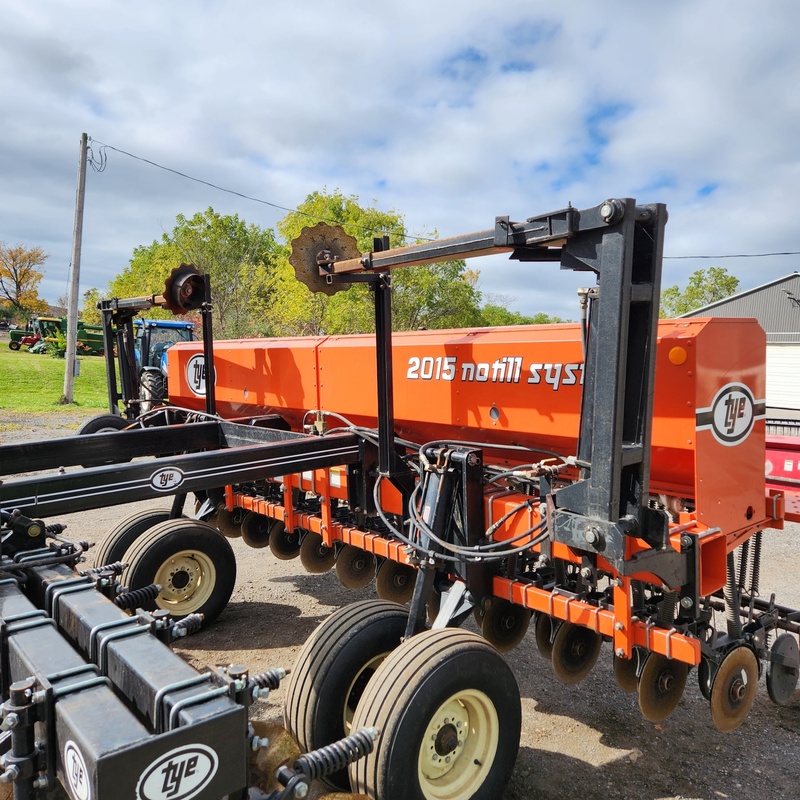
pixel 587 741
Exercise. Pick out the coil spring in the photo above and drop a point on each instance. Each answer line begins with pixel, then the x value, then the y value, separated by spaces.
pixel 744 551
pixel 666 609
pixel 271 679
pixel 137 597
pixel 731 594
pixel 190 624
pixel 755 564
pixel 115 568
pixel 55 529
pixel 336 756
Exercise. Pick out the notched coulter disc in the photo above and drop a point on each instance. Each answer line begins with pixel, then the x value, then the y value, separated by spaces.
pixel 321 243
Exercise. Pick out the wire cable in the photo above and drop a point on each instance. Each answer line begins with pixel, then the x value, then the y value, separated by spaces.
pixel 99 162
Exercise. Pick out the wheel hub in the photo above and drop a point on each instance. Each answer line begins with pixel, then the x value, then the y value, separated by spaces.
pixel 180 580
pixel 578 649
pixel 446 735
pixel 187 580
pixel 446 740
pixel 738 688
pixel 183 576
pixel 665 682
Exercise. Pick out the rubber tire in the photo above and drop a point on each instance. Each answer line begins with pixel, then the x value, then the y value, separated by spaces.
pixel 409 687
pixel 329 662
pixel 152 390
pixel 103 423
pixel 119 539
pixel 156 546
pixel 14 345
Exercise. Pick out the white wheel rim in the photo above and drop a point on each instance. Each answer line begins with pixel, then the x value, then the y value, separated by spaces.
pixel 458 748
pixel 348 712
pixel 187 580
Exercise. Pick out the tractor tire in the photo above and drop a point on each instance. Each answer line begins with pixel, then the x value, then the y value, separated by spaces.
pixel 152 390
pixel 119 539
pixel 449 713
pixel 103 423
pixel 192 562
pixel 14 345
pixel 333 669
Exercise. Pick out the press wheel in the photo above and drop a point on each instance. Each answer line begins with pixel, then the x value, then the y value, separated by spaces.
pixel 355 567
pixel 315 556
pixel 575 651
pixel 395 581
pixel 661 686
pixel 333 670
pixel 191 561
pixel 782 677
pixel 504 624
pixel 734 689
pixel 117 541
pixel 448 710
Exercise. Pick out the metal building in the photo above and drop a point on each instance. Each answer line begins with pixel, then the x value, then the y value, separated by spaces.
pixel 776 306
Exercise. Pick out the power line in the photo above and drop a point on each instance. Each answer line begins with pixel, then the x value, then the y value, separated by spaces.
pixel 99 163
pixel 740 255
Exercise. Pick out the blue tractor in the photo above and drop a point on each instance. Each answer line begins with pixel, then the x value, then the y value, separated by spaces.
pixel 152 340
pixel 135 348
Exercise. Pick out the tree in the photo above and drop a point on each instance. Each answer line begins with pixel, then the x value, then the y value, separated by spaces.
pixel 493 315
pixel 90 313
pixel 236 255
pixel 704 287
pixel 20 278
pixel 431 296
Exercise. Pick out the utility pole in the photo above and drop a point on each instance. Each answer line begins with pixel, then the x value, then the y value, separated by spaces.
pixel 75 276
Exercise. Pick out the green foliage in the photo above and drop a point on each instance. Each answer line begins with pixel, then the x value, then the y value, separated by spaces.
pixel 34 384
pixel 493 315
pixel 704 287
pixel 236 255
pixel 58 348
pixel 256 292
pixel 90 314
pixel 433 296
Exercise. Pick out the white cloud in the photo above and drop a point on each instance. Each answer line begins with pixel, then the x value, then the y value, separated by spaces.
pixel 450 113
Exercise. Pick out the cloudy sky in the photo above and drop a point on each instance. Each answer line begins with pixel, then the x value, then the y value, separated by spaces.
pixel 450 113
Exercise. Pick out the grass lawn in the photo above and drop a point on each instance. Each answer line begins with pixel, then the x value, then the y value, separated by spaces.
pixel 35 383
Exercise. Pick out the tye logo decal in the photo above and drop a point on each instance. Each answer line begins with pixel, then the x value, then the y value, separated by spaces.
pixel 731 415
pixel 180 774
